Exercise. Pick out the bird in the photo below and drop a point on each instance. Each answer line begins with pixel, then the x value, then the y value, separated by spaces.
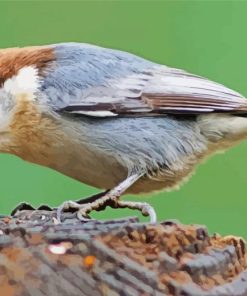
pixel 113 120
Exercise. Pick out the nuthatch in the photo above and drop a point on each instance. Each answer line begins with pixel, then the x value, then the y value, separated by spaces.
pixel 113 120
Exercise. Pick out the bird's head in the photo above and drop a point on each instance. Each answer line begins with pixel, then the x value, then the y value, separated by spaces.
pixel 21 70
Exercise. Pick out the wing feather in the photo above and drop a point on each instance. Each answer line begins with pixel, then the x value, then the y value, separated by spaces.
pixel 161 93
pixel 100 82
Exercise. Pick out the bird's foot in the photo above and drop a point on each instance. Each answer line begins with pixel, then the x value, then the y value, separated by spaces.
pixel 75 206
pixel 83 210
pixel 71 205
pixel 109 198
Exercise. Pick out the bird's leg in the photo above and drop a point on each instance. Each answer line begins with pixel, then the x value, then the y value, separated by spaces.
pixel 110 198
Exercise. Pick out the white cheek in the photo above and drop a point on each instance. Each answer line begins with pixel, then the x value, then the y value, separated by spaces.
pixel 25 82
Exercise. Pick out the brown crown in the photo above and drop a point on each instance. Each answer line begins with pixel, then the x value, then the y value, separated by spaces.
pixel 13 59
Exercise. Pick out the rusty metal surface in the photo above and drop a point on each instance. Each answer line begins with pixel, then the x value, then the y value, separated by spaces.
pixel 117 257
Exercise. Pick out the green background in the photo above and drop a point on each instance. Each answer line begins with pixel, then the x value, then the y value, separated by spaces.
pixel 207 38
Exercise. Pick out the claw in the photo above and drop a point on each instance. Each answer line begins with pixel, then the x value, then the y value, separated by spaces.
pixel 67 205
pixel 145 208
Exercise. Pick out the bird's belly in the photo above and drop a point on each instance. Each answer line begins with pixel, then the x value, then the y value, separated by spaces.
pixel 87 166
pixel 102 153
pixel 96 171
pixel 100 170
pixel 106 173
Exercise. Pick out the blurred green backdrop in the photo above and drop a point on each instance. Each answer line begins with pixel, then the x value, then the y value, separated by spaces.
pixel 207 38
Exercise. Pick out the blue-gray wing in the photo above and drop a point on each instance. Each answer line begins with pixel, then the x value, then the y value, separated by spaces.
pixel 102 82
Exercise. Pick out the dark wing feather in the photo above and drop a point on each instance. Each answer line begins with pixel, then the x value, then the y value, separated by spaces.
pixel 96 81
pixel 161 91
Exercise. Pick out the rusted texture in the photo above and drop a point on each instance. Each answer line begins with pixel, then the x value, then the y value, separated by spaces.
pixel 119 257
